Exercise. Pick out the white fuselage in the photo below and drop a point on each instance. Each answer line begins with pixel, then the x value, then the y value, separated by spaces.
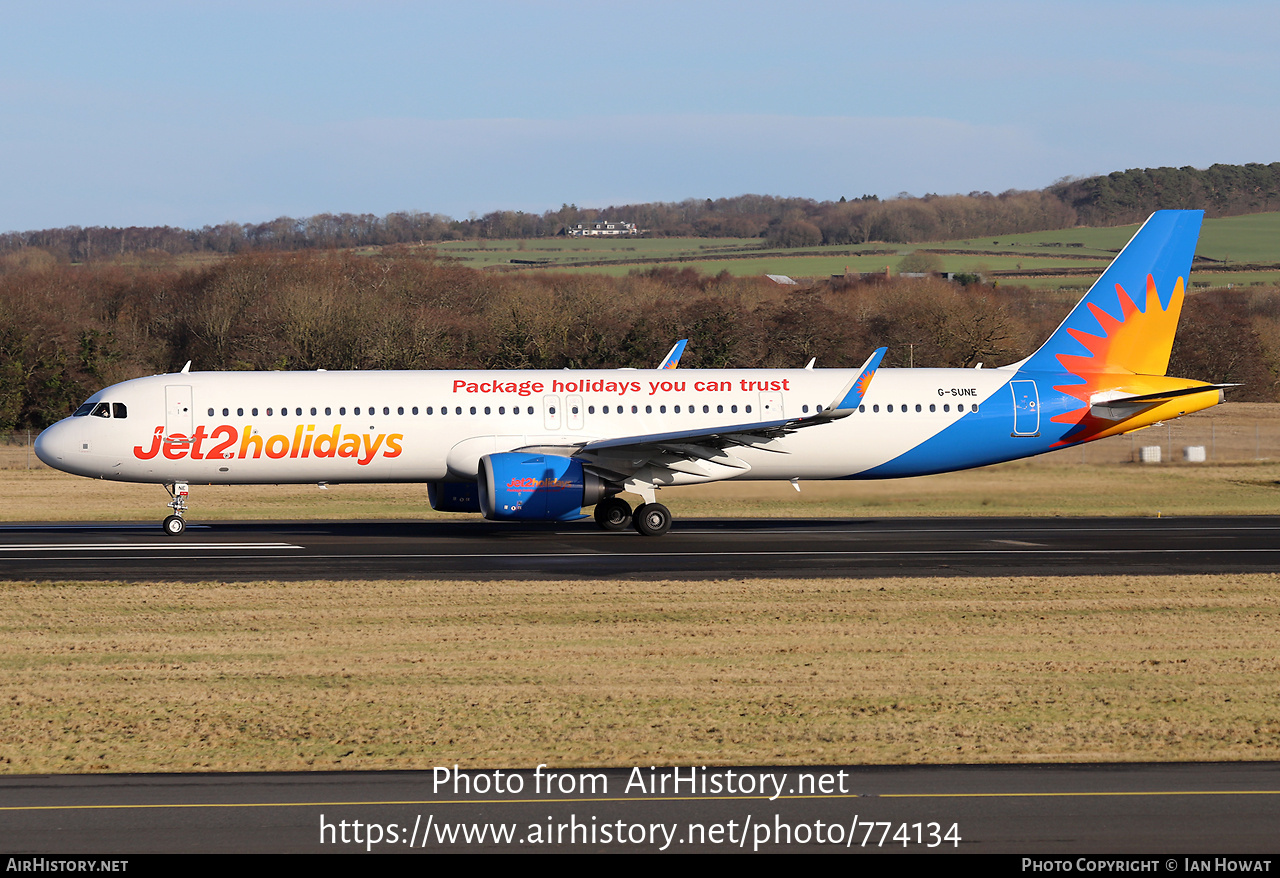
pixel 295 427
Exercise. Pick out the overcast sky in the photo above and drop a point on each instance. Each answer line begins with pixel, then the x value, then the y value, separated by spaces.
pixel 194 113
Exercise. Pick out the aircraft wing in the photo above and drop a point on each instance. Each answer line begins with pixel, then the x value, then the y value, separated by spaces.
pixel 704 452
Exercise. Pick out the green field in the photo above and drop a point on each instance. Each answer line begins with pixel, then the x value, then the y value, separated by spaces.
pixel 1251 242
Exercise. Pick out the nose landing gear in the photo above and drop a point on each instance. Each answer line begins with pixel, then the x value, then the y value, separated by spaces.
pixel 175 524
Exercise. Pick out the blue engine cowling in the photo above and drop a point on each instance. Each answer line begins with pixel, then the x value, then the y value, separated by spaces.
pixel 454 496
pixel 535 487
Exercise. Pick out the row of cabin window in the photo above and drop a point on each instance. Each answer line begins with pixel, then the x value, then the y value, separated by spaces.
pixel 119 410
pixel 488 410
pixel 946 407
pixel 102 411
pixel 328 410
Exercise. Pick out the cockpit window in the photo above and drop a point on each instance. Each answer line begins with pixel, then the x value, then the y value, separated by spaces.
pixel 102 410
pixel 83 410
pixel 118 410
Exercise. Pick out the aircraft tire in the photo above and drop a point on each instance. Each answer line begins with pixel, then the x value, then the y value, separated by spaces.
pixel 652 519
pixel 174 525
pixel 613 513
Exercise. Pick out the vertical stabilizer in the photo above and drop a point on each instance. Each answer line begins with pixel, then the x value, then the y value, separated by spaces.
pixel 1126 322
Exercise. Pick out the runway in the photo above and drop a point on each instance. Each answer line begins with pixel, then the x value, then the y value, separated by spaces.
pixel 695 548
pixel 1161 811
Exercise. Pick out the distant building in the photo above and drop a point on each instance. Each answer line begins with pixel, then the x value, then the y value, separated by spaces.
pixel 603 228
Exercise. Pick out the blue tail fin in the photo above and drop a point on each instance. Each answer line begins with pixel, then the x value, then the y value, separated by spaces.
pixel 1126 322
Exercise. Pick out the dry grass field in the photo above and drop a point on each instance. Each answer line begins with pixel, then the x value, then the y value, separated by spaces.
pixel 295 676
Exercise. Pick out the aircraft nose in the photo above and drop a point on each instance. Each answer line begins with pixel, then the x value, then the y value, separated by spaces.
pixel 54 445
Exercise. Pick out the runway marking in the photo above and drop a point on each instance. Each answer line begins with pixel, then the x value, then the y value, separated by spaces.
pixel 525 556
pixel 797 552
pixel 117 547
pixel 635 799
pixel 1079 794
pixel 983 527
pixel 853 531
pixel 117 526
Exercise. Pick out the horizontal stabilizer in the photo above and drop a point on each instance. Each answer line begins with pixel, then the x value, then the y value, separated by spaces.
pixel 1118 408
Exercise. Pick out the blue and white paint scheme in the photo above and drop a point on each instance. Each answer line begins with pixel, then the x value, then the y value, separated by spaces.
pixel 544 445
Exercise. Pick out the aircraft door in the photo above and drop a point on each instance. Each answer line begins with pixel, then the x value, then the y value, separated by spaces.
pixel 573 406
pixel 177 409
pixel 1026 408
pixel 551 415
pixel 771 406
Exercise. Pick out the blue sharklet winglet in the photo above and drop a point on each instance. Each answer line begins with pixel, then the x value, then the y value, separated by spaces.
pixel 848 400
pixel 672 359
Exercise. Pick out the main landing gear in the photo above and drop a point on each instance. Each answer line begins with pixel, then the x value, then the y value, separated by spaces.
pixel 649 519
pixel 175 524
pixel 613 513
pixel 652 519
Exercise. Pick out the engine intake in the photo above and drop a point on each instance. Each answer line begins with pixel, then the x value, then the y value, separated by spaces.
pixel 536 487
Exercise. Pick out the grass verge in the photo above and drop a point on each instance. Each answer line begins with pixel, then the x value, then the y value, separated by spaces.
pixel 129 677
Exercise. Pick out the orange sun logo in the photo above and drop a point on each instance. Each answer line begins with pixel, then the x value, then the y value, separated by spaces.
pixel 1137 343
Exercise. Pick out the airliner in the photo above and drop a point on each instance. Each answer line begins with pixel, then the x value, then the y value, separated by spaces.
pixel 545 445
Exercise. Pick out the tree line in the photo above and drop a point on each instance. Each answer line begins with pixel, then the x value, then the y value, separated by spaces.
pixel 67 331
pixel 1115 199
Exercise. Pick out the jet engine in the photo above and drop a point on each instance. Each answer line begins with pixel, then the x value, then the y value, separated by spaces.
pixel 536 487
pixel 454 496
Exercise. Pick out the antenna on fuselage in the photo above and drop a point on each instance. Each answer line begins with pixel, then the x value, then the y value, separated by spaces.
pixel 186 368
